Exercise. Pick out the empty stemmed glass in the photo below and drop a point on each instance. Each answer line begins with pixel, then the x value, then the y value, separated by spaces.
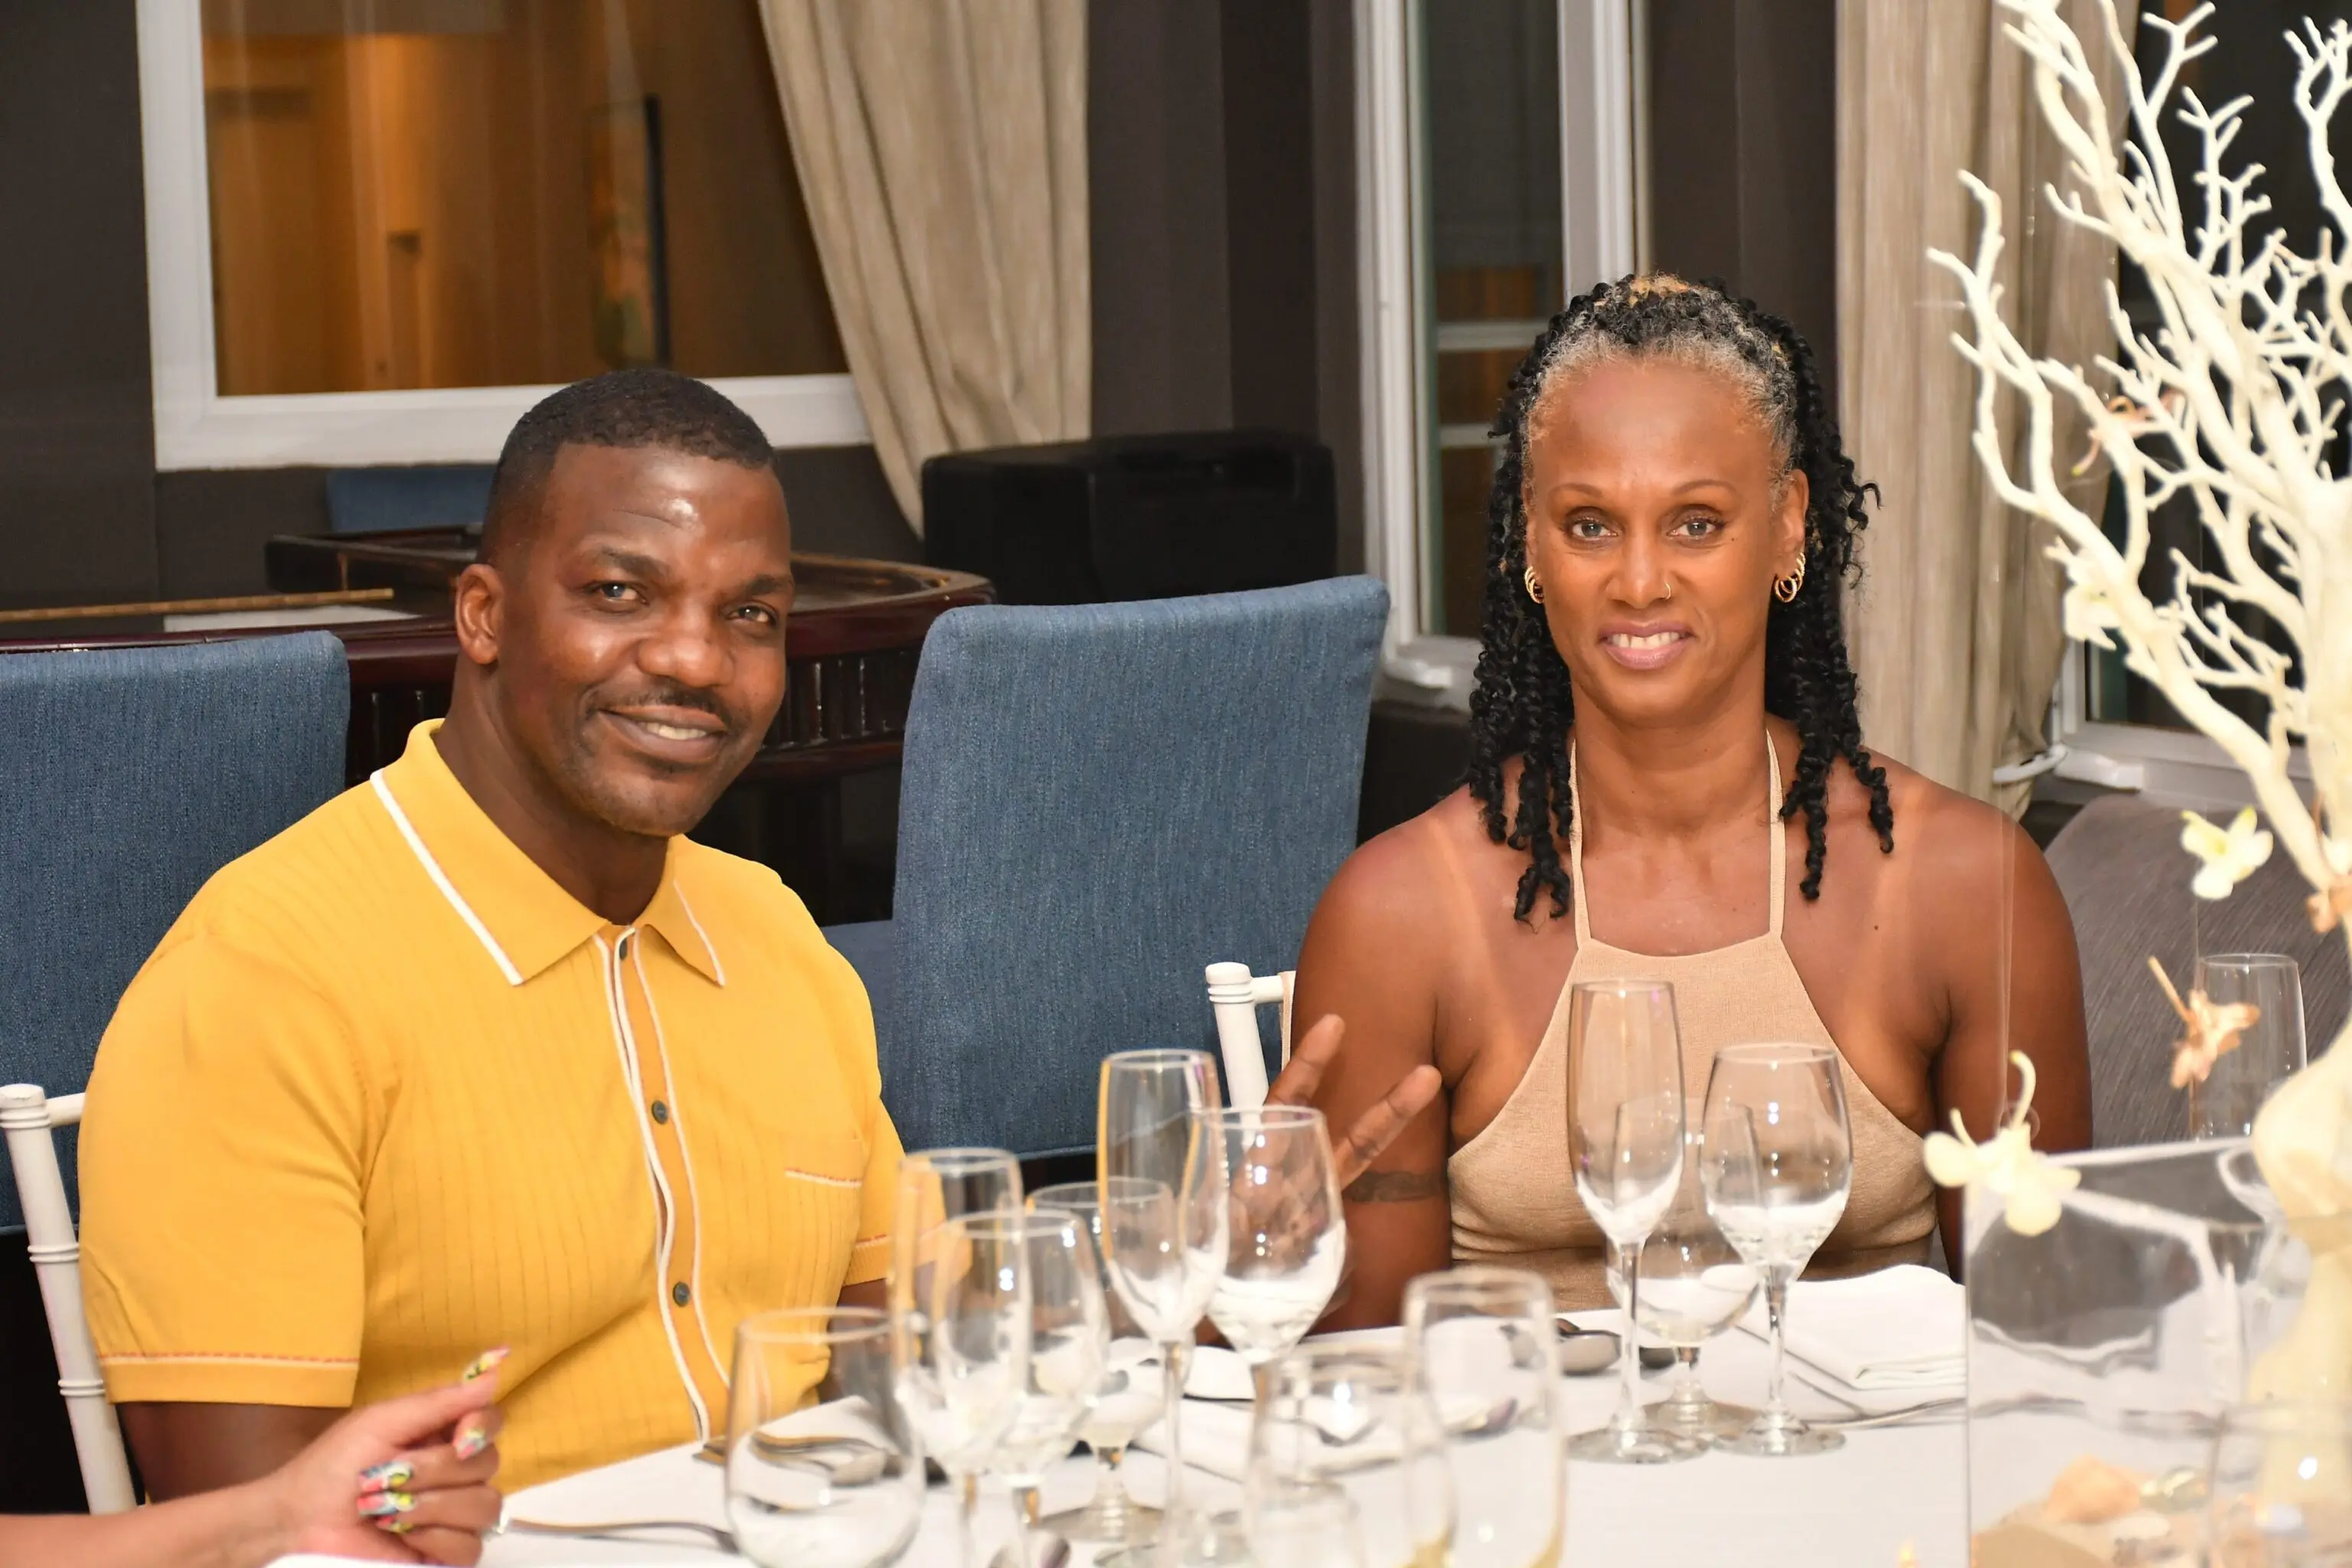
pixel 1694 1287
pixel 823 1470
pixel 1163 1214
pixel 2268 1049
pixel 1286 1240
pixel 1625 1147
pixel 1069 1340
pixel 960 1313
pixel 1351 1422
pixel 1123 1404
pixel 1778 1163
pixel 1484 1344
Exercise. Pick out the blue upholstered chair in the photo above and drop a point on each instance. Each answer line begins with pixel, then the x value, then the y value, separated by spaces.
pixel 127 777
pixel 1096 801
pixel 372 500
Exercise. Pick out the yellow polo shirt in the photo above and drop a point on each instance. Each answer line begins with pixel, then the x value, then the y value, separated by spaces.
pixel 386 1097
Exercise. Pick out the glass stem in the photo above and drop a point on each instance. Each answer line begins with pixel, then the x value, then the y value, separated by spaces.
pixel 1108 1515
pixel 1024 1521
pixel 967 1521
pixel 1629 1361
pixel 1174 1358
pixel 1688 1395
pixel 1775 1304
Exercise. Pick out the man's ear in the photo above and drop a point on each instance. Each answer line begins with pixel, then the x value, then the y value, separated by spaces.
pixel 481 604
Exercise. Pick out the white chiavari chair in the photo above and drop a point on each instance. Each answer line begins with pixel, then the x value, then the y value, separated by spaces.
pixel 29 1118
pixel 1235 996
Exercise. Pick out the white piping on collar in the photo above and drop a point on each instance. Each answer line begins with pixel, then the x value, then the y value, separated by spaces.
pixel 717 970
pixel 441 880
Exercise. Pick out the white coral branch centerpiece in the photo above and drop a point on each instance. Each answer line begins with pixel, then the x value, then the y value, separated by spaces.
pixel 2232 400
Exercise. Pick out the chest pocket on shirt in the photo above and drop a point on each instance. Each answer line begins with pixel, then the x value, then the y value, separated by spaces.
pixel 817 1187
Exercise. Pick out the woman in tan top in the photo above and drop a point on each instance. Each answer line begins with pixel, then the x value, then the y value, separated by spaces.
pixel 1667 780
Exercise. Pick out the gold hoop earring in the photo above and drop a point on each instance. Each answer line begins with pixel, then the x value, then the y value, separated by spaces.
pixel 1786 589
pixel 1535 589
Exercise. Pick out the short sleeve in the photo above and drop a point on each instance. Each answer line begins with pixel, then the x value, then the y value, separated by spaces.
pixel 870 1258
pixel 223 1142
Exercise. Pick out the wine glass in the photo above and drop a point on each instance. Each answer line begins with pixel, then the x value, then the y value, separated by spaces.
pixel 1694 1287
pixel 1122 1406
pixel 960 1332
pixel 1308 1527
pixel 1625 1147
pixel 1069 1339
pixel 836 1483
pixel 1778 1165
pixel 1485 1346
pixel 2269 1049
pixel 1356 1422
pixel 2280 1490
pixel 1163 1213
pixel 1285 1240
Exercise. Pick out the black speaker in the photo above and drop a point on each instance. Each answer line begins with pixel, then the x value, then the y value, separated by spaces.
pixel 1135 516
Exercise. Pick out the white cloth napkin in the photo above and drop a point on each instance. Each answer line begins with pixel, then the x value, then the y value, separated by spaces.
pixel 1216 1438
pixel 1902 1327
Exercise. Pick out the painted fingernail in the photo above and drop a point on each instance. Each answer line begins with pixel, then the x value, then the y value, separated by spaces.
pixel 395 1526
pixel 381 1505
pixel 483 1365
pixel 386 1477
pixel 470 1442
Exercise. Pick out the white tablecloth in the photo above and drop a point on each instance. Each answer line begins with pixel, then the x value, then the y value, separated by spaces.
pixel 1856 1508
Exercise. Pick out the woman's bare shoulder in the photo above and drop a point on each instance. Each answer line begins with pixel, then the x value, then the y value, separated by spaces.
pixel 1404 880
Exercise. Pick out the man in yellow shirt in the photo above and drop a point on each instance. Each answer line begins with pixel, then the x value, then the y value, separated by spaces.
pixel 485 1052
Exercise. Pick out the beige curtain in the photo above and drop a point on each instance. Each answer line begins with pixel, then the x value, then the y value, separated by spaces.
pixel 941 146
pixel 1955 631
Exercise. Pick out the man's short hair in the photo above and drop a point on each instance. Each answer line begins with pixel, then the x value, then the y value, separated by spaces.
pixel 640 407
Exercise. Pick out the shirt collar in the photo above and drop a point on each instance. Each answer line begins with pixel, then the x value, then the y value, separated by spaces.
pixel 522 916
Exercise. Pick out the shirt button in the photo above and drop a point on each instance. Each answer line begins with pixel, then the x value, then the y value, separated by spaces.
pixel 680 1294
pixel 661 1113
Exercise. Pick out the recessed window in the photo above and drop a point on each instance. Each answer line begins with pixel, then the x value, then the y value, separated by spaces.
pixel 487 193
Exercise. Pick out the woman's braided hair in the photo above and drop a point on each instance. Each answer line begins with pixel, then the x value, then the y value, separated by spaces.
pixel 1521 705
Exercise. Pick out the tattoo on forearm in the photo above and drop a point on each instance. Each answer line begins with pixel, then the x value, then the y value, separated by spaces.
pixel 1396 1186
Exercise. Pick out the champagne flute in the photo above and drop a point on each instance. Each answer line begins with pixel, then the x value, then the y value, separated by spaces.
pixel 1122 1406
pixel 1286 1238
pixel 1357 1424
pixel 1694 1287
pixel 1625 1146
pixel 1778 1163
pixel 837 1483
pixel 2269 1049
pixel 1482 1342
pixel 1069 1339
pixel 1164 1214
pixel 950 1324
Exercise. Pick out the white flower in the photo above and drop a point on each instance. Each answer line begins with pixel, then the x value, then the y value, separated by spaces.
pixel 2229 856
pixel 2028 1186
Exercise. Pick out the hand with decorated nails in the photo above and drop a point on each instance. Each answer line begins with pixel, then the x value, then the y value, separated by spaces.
pixel 408 1480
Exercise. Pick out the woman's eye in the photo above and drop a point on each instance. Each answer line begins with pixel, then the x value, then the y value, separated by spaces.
pixel 1700 527
pixel 1586 528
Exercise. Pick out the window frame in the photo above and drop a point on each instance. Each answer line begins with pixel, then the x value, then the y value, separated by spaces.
pixel 2176 767
pixel 1600 178
pixel 197 427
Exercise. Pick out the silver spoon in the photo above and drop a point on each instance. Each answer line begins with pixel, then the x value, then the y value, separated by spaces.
pixel 620 1530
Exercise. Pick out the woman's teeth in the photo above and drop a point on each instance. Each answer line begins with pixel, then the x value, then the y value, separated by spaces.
pixel 1654 639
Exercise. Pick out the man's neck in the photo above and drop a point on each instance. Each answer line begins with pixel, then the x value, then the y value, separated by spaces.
pixel 611 872
pixel 1671 782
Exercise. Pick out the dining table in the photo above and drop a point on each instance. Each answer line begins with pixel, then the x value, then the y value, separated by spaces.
pixel 1892 1489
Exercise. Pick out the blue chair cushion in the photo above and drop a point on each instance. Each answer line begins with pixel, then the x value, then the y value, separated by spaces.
pixel 127 778
pixel 1097 801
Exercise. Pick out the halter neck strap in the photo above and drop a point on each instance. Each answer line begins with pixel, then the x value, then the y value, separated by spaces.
pixel 1778 839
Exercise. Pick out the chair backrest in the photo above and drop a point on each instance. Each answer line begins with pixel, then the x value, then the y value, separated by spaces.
pixel 1093 797
pixel 373 500
pixel 127 777
pixel 1235 996
pixel 26 1118
pixel 2126 878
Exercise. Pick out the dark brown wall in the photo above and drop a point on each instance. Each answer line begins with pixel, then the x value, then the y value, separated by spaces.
pixel 1743 153
pixel 76 452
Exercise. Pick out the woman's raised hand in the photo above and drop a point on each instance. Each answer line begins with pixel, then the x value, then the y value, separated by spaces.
pixel 407 1480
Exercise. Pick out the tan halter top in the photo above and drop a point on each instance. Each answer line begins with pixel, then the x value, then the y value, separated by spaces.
pixel 1514 1200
